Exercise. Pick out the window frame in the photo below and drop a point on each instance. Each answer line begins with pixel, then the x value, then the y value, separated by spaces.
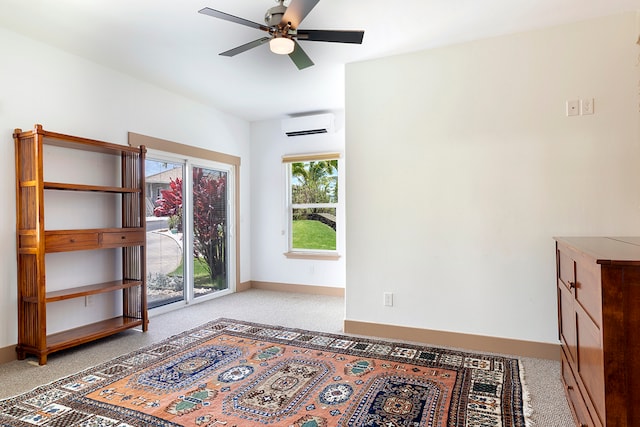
pixel 300 253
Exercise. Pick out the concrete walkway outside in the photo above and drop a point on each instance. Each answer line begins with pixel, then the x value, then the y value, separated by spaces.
pixel 164 252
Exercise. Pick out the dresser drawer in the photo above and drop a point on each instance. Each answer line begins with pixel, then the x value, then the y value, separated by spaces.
pixel 591 363
pixel 567 323
pixel 574 397
pixel 70 241
pixel 581 274
pixel 566 268
pixel 118 239
pixel 589 289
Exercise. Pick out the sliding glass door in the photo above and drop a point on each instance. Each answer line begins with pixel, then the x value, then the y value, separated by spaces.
pixel 189 229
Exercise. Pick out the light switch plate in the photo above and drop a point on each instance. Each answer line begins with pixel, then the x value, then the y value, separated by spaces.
pixel 388 299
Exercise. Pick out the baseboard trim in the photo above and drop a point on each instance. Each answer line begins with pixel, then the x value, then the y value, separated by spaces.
pixel 8 354
pixel 301 289
pixel 488 344
pixel 244 286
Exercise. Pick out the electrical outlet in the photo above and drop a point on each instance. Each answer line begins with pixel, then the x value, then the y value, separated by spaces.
pixel 388 299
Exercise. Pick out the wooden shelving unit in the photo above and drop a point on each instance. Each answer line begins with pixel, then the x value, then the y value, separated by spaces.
pixel 34 241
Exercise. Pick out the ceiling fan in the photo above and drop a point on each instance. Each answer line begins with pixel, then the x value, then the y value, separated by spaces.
pixel 282 25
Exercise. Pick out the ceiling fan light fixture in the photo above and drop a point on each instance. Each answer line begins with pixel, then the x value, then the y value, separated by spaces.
pixel 281 45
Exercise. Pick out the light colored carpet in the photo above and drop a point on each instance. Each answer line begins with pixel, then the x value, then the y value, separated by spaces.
pixel 314 312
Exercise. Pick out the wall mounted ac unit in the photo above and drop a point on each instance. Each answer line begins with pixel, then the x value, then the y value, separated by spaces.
pixel 308 125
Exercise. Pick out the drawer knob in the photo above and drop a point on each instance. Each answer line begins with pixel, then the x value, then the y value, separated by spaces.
pixel 569 387
pixel 72 240
pixel 572 285
pixel 123 237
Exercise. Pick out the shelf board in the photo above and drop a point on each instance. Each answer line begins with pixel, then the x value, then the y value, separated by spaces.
pixel 90 332
pixel 82 291
pixel 94 188
pixel 86 144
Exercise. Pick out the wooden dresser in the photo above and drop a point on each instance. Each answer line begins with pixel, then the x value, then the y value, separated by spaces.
pixel 599 327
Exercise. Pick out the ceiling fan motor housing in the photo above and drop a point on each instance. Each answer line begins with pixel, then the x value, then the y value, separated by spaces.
pixel 273 17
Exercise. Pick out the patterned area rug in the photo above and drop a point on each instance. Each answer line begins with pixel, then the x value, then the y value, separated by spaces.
pixel 233 373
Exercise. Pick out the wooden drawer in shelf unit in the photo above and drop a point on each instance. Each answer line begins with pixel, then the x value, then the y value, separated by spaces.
pixel 122 238
pixel 63 241
pixel 78 240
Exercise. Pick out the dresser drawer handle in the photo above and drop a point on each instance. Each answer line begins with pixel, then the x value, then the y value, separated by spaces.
pixel 123 237
pixel 572 285
pixel 569 387
pixel 72 240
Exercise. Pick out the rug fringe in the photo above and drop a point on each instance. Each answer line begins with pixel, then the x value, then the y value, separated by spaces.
pixel 527 409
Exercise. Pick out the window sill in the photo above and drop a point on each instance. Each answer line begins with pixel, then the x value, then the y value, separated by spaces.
pixel 330 256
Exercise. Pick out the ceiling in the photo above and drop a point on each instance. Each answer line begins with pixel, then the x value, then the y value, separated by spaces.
pixel 169 44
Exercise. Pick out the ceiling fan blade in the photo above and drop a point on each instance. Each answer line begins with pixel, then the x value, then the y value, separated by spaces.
pixel 245 47
pixel 232 18
pixel 300 58
pixel 331 36
pixel 297 11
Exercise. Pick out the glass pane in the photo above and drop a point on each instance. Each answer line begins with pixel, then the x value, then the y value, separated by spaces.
pixel 314 182
pixel 314 228
pixel 209 231
pixel 165 257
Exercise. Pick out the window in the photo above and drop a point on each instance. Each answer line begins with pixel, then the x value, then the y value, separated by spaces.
pixel 312 204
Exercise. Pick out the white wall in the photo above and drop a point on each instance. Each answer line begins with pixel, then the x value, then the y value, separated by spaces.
pixel 66 94
pixel 463 166
pixel 269 237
